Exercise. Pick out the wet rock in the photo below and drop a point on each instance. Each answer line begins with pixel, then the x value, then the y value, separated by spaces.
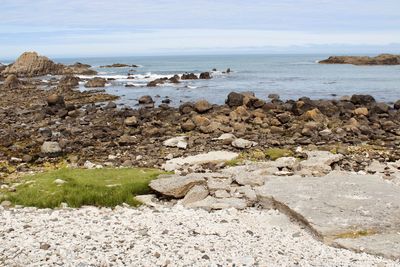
pixel 380 108
pixel 189 76
pixel 202 106
pixel 205 75
pixel 96 82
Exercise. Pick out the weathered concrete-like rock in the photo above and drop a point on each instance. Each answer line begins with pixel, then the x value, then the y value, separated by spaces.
pixel 319 162
pixel 11 82
pixel 175 185
pixel 339 205
pixel 51 148
pixel 212 203
pixel 197 193
pixel 213 156
pixel 179 142
pixel 243 143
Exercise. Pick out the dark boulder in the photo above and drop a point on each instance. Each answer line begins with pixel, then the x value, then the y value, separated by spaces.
pixel 235 99
pixel 96 82
pixel 205 76
pixel 146 99
pixel 189 76
pixel 362 99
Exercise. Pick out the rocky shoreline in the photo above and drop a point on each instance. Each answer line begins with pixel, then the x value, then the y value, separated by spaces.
pixel 248 154
pixel 87 126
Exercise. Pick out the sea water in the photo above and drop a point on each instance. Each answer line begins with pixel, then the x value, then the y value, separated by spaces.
pixel 290 76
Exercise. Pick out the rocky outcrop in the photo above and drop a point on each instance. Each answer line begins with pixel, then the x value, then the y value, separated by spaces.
pixel 383 59
pixel 30 64
pixel 119 65
pixel 69 81
pixel 96 82
pixel 79 69
pixel 189 76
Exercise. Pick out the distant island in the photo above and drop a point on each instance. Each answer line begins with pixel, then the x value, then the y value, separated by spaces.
pixel 383 59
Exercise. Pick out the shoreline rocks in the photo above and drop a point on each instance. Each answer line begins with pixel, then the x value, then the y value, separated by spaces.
pixel 383 59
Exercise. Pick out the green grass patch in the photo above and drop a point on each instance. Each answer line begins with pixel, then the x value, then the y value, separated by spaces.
pixel 98 187
pixel 276 153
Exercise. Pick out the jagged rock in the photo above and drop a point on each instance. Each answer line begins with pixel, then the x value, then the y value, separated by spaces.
pixel 397 104
pixel 30 64
pixel 96 82
pixel 175 185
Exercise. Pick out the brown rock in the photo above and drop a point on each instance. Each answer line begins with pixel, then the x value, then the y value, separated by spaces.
pixel 205 75
pixel 131 121
pixel 96 82
pixel 361 112
pixel 202 106
pixel 188 126
pixel 146 99
pixel 30 64
pixel 235 99
pixel 200 121
pixel 11 82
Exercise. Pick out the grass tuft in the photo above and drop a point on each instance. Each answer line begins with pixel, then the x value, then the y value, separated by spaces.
pixel 99 187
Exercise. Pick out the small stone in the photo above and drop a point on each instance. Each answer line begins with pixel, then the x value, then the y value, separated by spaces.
pixel 131 121
pixel 51 148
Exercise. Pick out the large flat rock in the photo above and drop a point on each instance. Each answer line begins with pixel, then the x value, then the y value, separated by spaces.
pixel 385 245
pixel 213 156
pixel 338 205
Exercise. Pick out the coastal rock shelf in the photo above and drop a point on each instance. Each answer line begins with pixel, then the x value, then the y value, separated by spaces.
pixel 342 209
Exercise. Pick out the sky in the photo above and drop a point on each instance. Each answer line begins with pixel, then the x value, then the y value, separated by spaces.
pixel 72 28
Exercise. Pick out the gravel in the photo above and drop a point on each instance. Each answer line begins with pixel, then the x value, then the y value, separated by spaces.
pixel 167 236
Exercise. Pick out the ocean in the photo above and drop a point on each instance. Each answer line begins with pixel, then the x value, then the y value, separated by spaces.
pixel 290 76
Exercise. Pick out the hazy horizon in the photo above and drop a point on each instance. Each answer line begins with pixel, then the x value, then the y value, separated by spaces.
pixel 101 28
